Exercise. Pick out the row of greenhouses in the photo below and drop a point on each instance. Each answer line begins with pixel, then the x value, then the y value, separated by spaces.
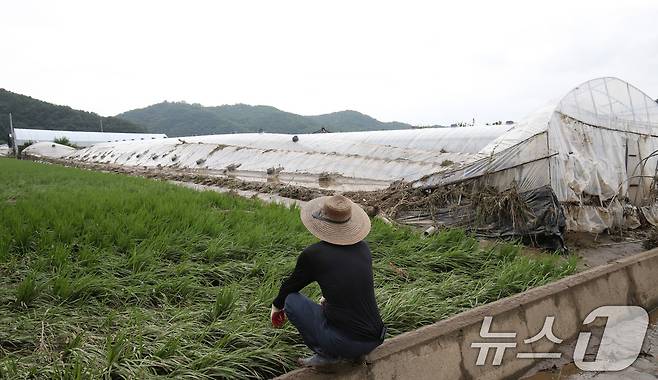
pixel 593 152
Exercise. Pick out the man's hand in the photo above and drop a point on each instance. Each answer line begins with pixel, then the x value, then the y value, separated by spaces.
pixel 277 316
pixel 274 311
pixel 322 301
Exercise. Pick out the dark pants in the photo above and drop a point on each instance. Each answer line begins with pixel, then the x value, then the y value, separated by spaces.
pixel 309 319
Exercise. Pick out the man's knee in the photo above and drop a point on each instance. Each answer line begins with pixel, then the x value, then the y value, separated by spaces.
pixel 292 303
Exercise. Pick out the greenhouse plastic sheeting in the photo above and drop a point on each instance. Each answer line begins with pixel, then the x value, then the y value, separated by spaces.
pixel 48 150
pixel 79 138
pixel 5 150
pixel 524 164
pixel 594 147
pixel 454 140
pixel 603 132
pixel 354 155
pixel 650 214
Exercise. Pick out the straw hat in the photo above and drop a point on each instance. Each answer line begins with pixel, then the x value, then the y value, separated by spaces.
pixel 336 220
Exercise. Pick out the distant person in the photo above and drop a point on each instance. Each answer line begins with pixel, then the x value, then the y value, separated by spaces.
pixel 346 324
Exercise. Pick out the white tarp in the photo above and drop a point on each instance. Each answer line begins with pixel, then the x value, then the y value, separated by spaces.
pixel 48 150
pixel 354 160
pixel 81 139
pixel 5 150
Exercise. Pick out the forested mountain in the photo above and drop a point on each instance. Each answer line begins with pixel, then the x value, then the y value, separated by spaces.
pixel 355 121
pixel 182 119
pixel 28 112
pixel 179 119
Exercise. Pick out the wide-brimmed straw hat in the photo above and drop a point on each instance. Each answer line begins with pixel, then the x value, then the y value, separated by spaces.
pixel 336 220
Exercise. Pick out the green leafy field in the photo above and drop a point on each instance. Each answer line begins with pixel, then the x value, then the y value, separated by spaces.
pixel 103 275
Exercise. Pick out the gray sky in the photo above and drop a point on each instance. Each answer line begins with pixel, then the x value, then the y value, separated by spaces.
pixel 419 62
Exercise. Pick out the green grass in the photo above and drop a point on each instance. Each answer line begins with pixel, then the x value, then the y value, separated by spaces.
pixel 107 276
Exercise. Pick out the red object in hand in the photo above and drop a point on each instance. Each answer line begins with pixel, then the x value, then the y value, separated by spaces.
pixel 279 318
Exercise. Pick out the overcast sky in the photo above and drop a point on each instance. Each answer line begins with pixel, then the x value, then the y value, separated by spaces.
pixel 411 61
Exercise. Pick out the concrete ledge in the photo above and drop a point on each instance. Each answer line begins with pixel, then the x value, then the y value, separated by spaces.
pixel 443 350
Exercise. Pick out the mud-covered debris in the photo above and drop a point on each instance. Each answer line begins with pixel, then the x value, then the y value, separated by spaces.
pixel 652 240
pixel 232 167
pixel 301 193
pixel 217 149
pixel 274 170
pixel 326 179
pixel 372 211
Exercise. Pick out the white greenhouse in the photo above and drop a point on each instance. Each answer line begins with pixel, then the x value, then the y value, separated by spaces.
pixel 592 155
pixel 82 139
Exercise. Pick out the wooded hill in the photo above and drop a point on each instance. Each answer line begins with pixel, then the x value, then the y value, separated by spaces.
pixel 183 119
pixel 32 113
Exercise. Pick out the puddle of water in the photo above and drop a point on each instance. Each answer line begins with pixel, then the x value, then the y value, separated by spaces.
pixel 559 374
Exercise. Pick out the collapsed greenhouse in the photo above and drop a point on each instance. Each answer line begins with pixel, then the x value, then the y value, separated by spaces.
pixel 587 162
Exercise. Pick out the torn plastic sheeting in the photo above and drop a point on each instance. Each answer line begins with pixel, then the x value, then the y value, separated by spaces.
pixel 524 177
pixel 596 161
pixel 503 168
pixel 543 222
pixel 650 214
pixel 594 219
pixel 591 160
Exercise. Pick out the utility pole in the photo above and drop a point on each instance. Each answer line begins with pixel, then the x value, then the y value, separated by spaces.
pixel 13 136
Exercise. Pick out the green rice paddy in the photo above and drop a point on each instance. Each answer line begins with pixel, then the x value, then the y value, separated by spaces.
pixel 109 276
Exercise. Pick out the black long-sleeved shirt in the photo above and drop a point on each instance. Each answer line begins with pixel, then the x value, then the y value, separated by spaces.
pixel 344 273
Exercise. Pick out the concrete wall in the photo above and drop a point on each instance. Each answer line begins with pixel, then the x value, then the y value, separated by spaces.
pixel 443 350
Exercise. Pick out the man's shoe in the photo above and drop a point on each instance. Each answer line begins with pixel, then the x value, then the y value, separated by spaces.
pixel 318 361
pixel 324 364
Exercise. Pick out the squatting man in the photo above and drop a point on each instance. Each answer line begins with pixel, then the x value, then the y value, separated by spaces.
pixel 346 324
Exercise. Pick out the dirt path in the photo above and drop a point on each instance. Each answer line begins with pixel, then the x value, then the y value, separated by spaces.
pixel 269 198
pixel 600 249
